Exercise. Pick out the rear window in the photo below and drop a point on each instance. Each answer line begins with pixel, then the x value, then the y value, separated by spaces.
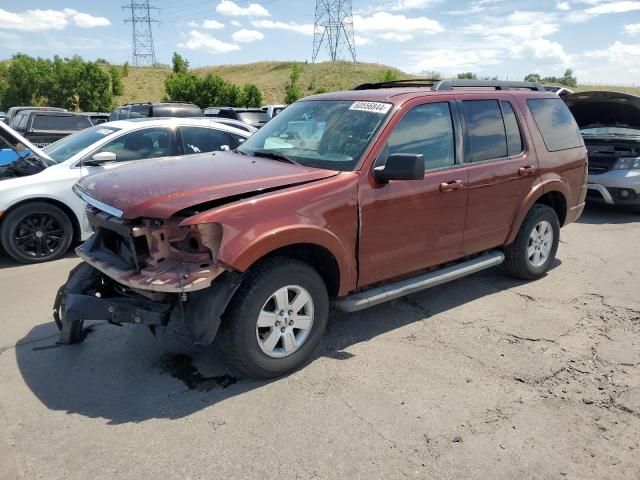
pixel 254 117
pixel 140 111
pixel 172 110
pixel 60 123
pixel 556 124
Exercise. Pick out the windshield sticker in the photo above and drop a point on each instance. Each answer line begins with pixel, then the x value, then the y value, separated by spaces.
pixel 375 107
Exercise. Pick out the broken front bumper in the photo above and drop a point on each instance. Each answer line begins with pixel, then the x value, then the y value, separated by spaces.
pixel 88 295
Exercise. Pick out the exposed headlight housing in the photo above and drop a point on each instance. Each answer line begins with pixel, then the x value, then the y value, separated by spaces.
pixel 629 163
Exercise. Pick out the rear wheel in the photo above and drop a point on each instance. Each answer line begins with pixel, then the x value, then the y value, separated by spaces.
pixel 532 252
pixel 276 318
pixel 36 232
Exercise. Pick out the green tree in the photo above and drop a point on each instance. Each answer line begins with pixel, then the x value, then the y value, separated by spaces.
pixel 320 90
pixel 568 79
pixel 211 91
pixel 467 76
pixel 231 95
pixel 125 69
pixel 180 64
pixel 532 77
pixel 292 89
pixel 23 81
pixel 388 76
pixel 251 96
pixel 117 87
pixel 94 89
pixel 183 87
pixel 431 74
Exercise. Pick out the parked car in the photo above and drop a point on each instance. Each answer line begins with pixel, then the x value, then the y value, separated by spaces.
pixel 159 109
pixel 42 127
pixel 98 117
pixel 255 117
pixel 13 111
pixel 273 110
pixel 40 216
pixel 355 197
pixel 558 90
pixel 610 126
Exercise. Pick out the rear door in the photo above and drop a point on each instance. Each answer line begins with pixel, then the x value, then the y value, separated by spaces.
pixel 407 226
pixel 502 169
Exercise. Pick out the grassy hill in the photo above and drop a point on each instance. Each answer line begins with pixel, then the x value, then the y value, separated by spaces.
pixel 147 84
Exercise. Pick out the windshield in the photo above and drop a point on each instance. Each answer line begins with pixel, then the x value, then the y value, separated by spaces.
pixel 610 131
pixel 330 134
pixel 68 146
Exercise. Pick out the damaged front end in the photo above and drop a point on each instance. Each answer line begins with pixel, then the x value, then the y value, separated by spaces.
pixel 146 272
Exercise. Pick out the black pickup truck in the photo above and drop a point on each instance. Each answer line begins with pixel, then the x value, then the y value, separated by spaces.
pixel 44 127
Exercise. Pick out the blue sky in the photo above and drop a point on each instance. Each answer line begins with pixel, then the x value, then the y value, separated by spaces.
pixel 599 39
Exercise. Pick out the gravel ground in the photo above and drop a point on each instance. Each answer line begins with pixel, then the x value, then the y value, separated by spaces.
pixel 482 378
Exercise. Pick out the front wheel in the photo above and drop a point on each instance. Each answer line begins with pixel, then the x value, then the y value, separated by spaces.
pixel 36 232
pixel 532 252
pixel 276 318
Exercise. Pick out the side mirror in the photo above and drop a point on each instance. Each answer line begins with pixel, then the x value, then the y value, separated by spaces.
pixel 100 158
pixel 401 166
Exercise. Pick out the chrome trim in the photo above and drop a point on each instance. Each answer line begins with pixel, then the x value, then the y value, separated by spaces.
pixel 606 196
pixel 376 296
pixel 97 203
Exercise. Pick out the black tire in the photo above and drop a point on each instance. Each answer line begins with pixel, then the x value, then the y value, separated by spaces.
pixel 32 219
pixel 238 332
pixel 517 259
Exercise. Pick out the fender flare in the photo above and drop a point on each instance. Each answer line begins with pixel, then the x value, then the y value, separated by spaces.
pixel 548 186
pixel 242 258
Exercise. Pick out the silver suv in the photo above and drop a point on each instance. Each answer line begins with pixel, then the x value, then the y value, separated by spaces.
pixel 610 126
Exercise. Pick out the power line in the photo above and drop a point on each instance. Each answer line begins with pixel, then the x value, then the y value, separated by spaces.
pixel 142 36
pixel 334 27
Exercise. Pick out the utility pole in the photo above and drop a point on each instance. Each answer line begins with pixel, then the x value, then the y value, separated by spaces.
pixel 139 16
pixel 333 27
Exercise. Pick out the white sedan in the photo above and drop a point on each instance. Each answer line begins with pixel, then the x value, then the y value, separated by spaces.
pixel 40 216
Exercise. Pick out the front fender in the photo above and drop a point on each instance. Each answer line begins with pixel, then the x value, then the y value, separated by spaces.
pixel 546 186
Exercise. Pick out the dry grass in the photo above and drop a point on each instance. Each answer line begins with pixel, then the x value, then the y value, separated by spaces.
pixel 147 84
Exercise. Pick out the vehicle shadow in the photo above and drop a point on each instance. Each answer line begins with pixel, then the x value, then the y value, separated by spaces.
pixel 595 214
pixel 126 375
pixel 7 262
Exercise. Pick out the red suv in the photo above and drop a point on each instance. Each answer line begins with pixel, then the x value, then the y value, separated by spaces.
pixel 354 198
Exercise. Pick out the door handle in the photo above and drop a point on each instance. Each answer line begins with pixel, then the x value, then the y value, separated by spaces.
pixel 526 171
pixel 451 186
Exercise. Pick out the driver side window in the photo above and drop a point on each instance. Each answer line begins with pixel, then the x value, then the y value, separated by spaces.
pixel 427 130
pixel 140 145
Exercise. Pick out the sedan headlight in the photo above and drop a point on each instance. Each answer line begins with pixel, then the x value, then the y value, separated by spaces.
pixel 627 164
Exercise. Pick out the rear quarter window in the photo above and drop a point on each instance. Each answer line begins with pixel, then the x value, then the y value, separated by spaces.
pixel 557 126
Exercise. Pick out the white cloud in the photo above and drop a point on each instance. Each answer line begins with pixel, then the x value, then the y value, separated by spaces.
pixel 246 36
pixel 619 57
pixel 227 7
pixel 632 29
pixel 410 4
pixel 395 27
pixel 362 41
pixel 613 7
pixel 304 28
pixel 207 43
pixel 453 60
pixel 207 24
pixel 41 20
pixel 542 50
pixel 563 6
pixel 236 23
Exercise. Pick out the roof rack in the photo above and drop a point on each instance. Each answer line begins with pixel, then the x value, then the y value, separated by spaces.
pixel 409 82
pixel 439 85
pixel 496 84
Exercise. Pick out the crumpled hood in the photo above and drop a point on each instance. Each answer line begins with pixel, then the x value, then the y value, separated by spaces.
pixel 162 187
pixel 604 109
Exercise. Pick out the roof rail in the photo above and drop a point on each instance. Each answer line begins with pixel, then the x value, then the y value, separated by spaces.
pixel 497 84
pixel 409 82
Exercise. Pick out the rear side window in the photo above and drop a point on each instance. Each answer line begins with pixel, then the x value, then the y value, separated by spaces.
pixel 486 134
pixel 556 124
pixel 115 115
pixel 200 140
pixel 140 111
pixel 60 123
pixel 514 137
pixel 427 130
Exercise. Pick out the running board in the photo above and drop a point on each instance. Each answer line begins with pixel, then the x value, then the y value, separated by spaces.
pixel 376 296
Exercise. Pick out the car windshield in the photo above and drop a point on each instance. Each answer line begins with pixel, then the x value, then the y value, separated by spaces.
pixel 330 134
pixel 610 131
pixel 67 147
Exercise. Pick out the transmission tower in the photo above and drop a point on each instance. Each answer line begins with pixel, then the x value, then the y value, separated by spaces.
pixel 334 28
pixel 142 41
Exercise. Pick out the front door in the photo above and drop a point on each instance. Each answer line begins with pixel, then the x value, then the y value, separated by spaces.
pixel 407 226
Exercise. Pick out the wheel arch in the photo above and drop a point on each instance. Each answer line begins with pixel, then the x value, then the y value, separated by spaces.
pixel 312 245
pixel 553 193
